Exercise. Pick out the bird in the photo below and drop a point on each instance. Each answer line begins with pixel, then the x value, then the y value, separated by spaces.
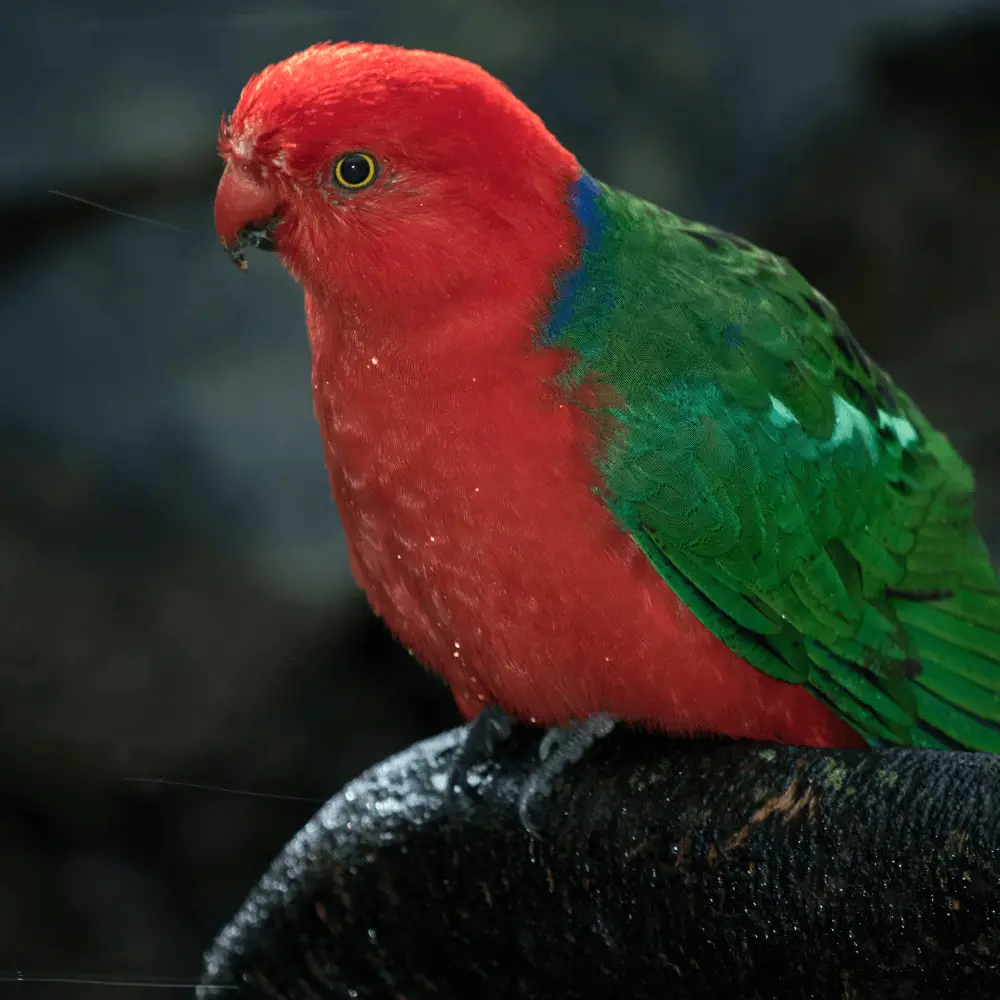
pixel 597 463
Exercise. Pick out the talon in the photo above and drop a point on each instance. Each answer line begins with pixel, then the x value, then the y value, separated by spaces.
pixel 490 728
pixel 561 747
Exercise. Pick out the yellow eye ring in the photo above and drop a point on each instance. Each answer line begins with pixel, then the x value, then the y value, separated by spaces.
pixel 354 171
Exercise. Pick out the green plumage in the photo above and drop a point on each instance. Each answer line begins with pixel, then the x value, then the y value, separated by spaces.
pixel 793 497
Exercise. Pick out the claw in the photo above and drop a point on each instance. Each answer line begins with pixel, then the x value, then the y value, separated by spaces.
pixel 560 749
pixel 489 729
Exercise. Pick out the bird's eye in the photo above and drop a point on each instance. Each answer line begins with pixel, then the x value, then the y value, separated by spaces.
pixel 355 170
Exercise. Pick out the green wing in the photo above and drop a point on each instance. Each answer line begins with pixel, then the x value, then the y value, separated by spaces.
pixel 793 497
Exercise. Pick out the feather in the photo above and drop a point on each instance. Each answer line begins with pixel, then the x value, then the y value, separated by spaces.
pixel 795 499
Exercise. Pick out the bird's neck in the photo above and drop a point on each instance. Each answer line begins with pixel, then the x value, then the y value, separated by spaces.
pixel 414 364
pixel 471 315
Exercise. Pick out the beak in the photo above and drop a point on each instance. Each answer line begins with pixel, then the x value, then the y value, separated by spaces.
pixel 246 215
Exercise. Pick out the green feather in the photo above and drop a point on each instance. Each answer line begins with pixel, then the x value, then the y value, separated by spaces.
pixel 792 496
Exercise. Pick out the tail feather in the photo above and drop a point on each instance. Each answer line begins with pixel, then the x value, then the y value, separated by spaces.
pixel 933 739
pixel 888 700
pixel 955 689
pixel 957 625
pixel 955 658
pixel 957 641
pixel 965 730
pixel 856 712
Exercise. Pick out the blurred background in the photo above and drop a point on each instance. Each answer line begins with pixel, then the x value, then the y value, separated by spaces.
pixel 176 605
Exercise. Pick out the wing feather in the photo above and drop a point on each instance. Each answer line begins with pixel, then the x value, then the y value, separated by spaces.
pixel 789 492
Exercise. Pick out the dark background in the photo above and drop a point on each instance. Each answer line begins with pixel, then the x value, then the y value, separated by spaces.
pixel 175 599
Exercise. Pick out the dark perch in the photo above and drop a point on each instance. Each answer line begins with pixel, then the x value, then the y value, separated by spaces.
pixel 667 870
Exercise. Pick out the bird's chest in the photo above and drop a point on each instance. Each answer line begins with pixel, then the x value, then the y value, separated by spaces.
pixel 408 507
pixel 423 493
pixel 461 515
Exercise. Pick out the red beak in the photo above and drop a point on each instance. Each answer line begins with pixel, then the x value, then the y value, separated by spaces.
pixel 246 214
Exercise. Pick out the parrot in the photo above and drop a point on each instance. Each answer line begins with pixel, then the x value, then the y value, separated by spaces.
pixel 597 463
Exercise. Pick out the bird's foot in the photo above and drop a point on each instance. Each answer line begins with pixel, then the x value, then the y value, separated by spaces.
pixel 561 747
pixel 491 727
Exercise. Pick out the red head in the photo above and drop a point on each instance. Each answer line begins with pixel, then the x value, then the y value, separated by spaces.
pixel 385 177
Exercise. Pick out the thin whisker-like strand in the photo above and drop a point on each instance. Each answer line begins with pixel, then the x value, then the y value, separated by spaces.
pixel 99 980
pixel 223 788
pixel 117 211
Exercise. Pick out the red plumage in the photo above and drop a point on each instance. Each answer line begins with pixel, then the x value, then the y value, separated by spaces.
pixel 463 477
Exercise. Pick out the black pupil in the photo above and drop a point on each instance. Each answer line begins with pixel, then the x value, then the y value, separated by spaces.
pixel 355 169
